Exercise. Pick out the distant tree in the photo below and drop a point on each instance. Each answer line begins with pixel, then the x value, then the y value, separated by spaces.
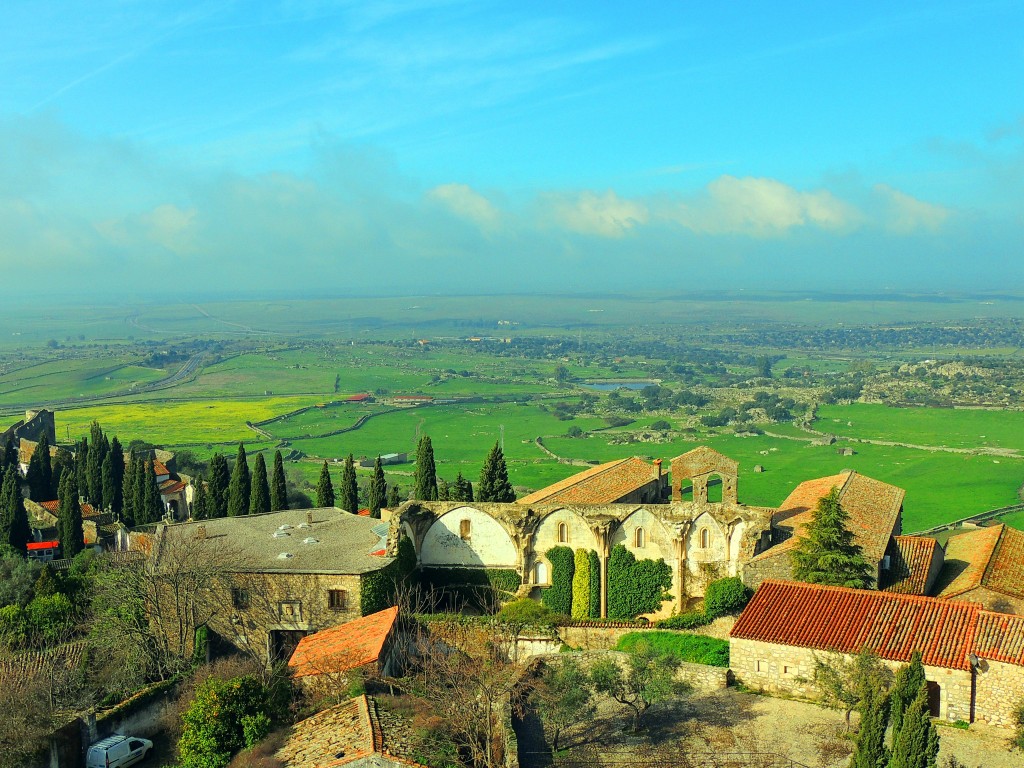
pixel 324 488
pixel 394 497
pixel 916 743
pixel 259 495
pixel 461 490
pixel 909 679
pixel 426 471
pixel 69 518
pixel 200 500
pixel 152 503
pixel 764 367
pixel 128 492
pixel 378 489
pixel 494 483
pixel 647 679
pixel 220 481
pixel 826 553
pixel 443 490
pixel 349 487
pixel 239 489
pixel 13 517
pixel 278 485
pixel 563 696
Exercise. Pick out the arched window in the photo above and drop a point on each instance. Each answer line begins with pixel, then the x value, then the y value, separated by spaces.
pixel 540 573
pixel 641 538
pixel 705 538
pixel 563 533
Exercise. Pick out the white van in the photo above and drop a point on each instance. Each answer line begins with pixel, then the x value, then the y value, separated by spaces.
pixel 117 752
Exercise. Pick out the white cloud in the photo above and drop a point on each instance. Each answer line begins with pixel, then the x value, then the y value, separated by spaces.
pixel 902 214
pixel 588 213
pixel 466 203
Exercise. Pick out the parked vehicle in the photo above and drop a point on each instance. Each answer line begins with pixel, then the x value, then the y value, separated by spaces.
pixel 117 752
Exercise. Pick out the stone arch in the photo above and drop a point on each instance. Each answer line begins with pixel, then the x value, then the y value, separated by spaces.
pixel 658 537
pixel 705 563
pixel 576 527
pixel 466 536
pixel 697 466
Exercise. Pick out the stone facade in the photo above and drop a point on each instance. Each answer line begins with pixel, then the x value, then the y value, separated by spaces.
pixel 999 692
pixel 32 427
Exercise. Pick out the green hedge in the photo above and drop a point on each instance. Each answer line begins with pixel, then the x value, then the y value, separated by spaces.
pixel 689 620
pixel 726 596
pixel 581 585
pixel 695 649
pixel 558 597
pixel 594 564
pixel 635 586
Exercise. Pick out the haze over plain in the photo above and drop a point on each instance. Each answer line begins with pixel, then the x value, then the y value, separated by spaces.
pixel 341 148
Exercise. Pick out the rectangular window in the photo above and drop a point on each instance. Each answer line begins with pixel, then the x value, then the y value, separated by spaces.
pixel 239 597
pixel 787 670
pixel 464 530
pixel 337 599
pixel 760 666
pixel 290 610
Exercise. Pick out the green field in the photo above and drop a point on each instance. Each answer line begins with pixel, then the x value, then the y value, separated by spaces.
pixel 61 379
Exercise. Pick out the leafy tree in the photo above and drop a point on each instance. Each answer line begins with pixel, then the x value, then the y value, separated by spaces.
pixel 224 717
pixel 200 500
pixel 324 488
pixel 17 577
pixel 909 679
pixel 916 743
pixel 259 496
pixel 69 518
pixel 220 482
pixel 726 595
pixel 349 487
pixel 426 471
pixel 826 553
pixel 847 684
pixel 635 586
pixel 394 497
pixel 563 696
pixel 378 489
pixel 239 489
pixel 494 484
pixel 16 530
pixel 647 679
pixel 870 751
pixel 278 485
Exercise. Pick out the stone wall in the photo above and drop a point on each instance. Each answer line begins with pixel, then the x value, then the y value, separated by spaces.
pixel 777 566
pixel 593 638
pixel 1000 690
pixel 483 543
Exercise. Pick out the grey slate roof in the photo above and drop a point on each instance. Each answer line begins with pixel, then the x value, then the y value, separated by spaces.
pixel 344 542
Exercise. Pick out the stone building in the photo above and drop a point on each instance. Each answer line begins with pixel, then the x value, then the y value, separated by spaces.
pixel 973 658
pixel 285 574
pixel 985 566
pixel 625 481
pixel 32 427
pixel 911 565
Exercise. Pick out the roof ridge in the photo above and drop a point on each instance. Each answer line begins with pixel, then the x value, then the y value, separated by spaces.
pixel 877 594
pixel 994 554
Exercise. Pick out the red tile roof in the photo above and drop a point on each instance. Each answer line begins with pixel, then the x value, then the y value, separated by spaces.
pixel 988 557
pixel 357 398
pixel 603 484
pixel 1000 637
pixel 53 506
pixel 172 486
pixel 845 620
pixel 159 468
pixel 910 561
pixel 40 545
pixel 348 646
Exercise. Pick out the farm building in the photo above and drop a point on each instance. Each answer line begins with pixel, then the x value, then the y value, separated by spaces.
pixel 986 566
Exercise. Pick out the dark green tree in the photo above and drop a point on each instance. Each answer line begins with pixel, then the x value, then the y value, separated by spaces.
pixel 870 751
pixel 200 500
pixel 826 553
pixel 13 517
pixel 378 489
pixel 278 485
pixel 443 490
pixel 40 472
pixel 909 679
pixel 349 487
pixel 494 484
pixel 109 481
pixel 82 467
pixel 128 510
pixel 151 501
pixel 141 510
pixel 220 481
pixel 239 489
pixel 69 518
pixel 10 453
pixel 461 490
pixel 259 496
pixel 426 471
pixel 98 448
pixel 62 461
pixel 325 488
pixel 394 497
pixel 916 743
pixel 113 481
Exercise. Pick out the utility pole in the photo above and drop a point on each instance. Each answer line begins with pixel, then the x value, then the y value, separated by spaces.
pixel 501 428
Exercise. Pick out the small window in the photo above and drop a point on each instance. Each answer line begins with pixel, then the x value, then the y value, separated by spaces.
pixel 705 538
pixel 640 538
pixel 787 670
pixel 239 597
pixel 337 599
pixel 464 529
pixel 540 573
pixel 290 610
pixel 563 533
pixel 760 666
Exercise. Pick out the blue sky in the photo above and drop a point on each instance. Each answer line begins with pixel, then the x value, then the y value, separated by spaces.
pixel 352 147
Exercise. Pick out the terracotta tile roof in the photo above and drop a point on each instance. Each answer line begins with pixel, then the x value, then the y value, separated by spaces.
pixel 160 468
pixel 910 560
pixel 845 620
pixel 603 484
pixel 873 508
pixel 1000 637
pixel 53 506
pixel 172 486
pixel 27 447
pixel 344 647
pixel 334 737
pixel 988 557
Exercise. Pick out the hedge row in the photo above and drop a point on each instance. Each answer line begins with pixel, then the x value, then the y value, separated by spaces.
pixel 635 586
pixel 558 597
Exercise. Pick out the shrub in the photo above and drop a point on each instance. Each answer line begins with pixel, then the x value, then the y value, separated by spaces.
pixel 726 596
pixel 581 585
pixel 1018 720
pixel 528 612
pixel 558 597
pixel 695 649
pixel 635 586
pixel 661 425
pixel 594 566
pixel 222 718
pixel 689 620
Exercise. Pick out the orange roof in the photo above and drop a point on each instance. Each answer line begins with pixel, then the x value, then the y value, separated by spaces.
pixel 846 620
pixel 348 646
pixel 603 484
pixel 159 468
pixel 988 557
pixel 873 508
pixel 53 506
pixel 910 561
pixel 1000 637
pixel 171 485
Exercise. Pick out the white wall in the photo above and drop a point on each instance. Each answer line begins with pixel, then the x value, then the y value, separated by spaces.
pixel 488 545
pixel 579 535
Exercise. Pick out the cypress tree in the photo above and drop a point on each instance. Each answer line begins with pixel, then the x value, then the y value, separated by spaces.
pixel 16 528
pixel 444 491
pixel 259 496
pixel 494 483
pixel 378 489
pixel 142 512
pixel 324 488
pixel 152 502
pixel 220 481
pixel 870 751
pixel 62 462
pixel 916 744
pixel 10 453
pixel 69 518
pixel 349 487
pixel 128 493
pixel 461 490
pixel 826 553
pixel 109 479
pixel 239 489
pixel 115 501
pixel 278 485
pixel 200 500
pixel 426 471
pixel 98 448
pixel 394 497
pixel 908 681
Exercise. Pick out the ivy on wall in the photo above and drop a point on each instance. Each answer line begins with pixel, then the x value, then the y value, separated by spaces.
pixel 581 585
pixel 594 566
pixel 635 586
pixel 377 588
pixel 558 597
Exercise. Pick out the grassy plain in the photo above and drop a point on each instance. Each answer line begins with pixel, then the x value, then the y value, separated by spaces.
pixel 58 379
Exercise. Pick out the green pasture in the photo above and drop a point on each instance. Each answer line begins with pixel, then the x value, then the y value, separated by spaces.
pixel 59 379
pixel 948 427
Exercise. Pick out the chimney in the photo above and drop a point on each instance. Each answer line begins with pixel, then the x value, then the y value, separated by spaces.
pixel 200 531
pixel 309 516
pixel 657 469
